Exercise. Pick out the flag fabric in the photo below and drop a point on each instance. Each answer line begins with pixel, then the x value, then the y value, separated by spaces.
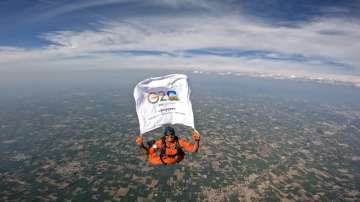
pixel 163 100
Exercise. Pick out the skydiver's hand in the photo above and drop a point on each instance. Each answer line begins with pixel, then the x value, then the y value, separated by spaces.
pixel 196 135
pixel 139 140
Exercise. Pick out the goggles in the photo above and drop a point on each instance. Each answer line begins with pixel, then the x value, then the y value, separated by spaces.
pixel 170 134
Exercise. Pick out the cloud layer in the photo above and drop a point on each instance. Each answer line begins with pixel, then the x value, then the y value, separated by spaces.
pixel 219 42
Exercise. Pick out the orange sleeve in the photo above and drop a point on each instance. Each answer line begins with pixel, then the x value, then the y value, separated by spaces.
pixel 187 146
pixel 158 144
pixel 154 159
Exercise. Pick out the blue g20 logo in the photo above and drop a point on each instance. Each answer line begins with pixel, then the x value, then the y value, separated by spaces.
pixel 161 96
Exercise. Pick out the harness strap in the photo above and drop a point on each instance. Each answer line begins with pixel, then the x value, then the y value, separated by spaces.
pixel 163 154
pixel 161 159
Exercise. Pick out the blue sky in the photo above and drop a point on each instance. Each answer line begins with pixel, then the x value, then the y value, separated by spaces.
pixel 298 37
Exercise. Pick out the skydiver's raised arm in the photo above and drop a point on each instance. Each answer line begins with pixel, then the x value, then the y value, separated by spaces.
pixel 191 147
pixel 196 137
pixel 139 141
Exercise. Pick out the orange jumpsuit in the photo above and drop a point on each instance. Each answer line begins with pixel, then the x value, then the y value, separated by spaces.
pixel 154 159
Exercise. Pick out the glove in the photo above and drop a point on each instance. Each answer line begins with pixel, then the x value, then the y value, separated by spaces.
pixel 139 140
pixel 196 135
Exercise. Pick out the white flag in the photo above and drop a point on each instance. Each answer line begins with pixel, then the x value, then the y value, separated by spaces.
pixel 163 100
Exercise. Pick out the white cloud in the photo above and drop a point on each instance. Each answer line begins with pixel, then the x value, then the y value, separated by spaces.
pixel 62 9
pixel 333 39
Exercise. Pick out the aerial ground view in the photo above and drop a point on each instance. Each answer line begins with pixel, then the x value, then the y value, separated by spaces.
pixel 274 90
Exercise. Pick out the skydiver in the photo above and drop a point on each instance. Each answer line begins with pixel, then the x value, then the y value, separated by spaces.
pixel 170 147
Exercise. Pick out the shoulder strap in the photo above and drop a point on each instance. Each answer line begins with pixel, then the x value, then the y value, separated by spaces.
pixel 178 147
pixel 163 150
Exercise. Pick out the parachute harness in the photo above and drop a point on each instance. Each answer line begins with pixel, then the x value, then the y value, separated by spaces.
pixel 179 151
